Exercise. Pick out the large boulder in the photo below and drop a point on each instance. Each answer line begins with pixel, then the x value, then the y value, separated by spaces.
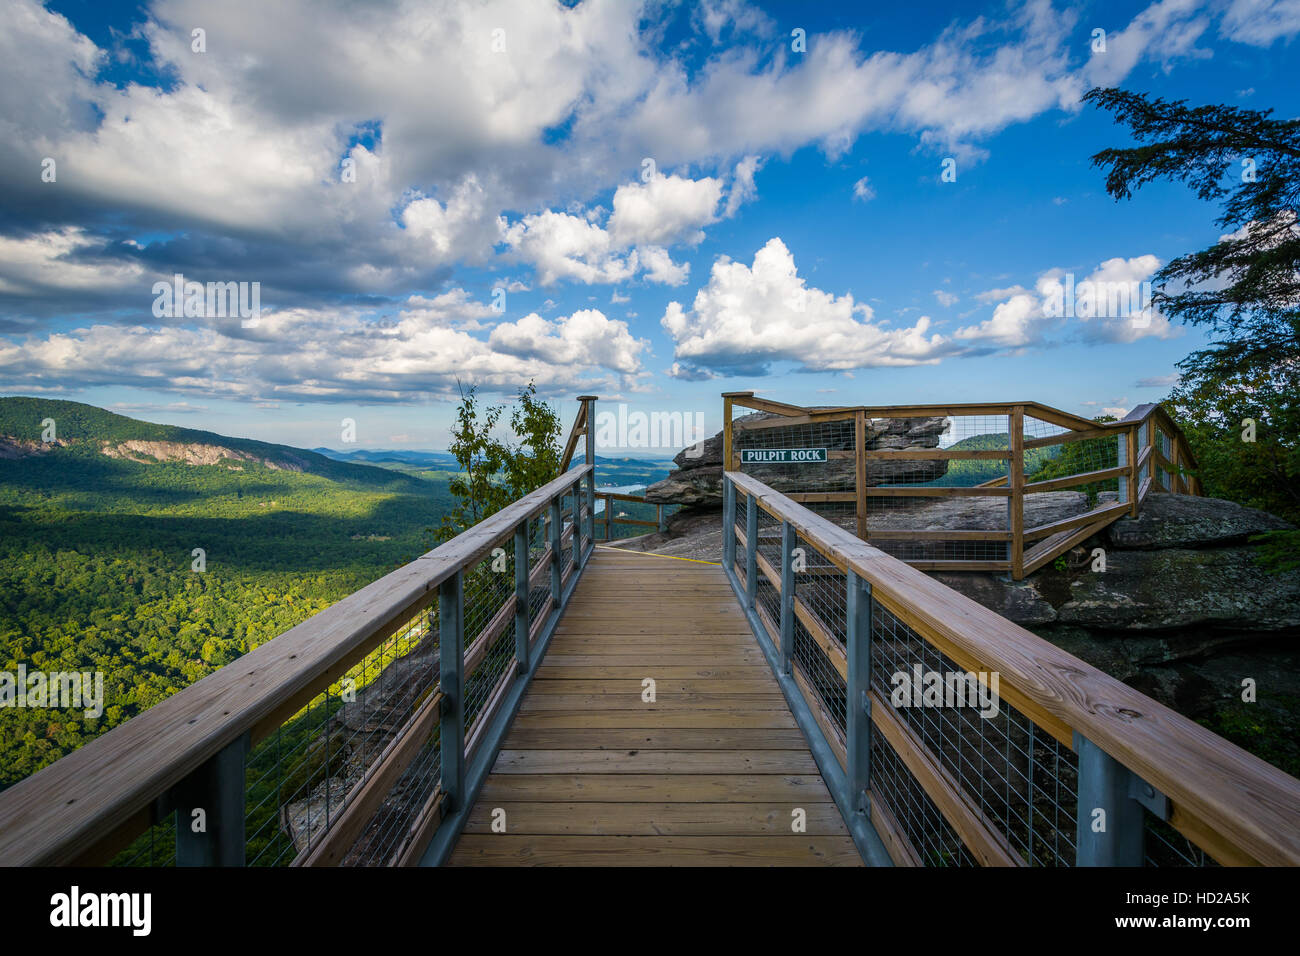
pixel 697 480
pixel 1180 588
pixel 1184 521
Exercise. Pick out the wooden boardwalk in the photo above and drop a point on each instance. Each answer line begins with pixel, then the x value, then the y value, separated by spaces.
pixel 712 773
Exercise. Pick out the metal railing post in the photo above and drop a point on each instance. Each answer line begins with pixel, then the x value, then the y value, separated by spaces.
pixel 210 810
pixel 751 550
pixel 522 618
pixel 858 644
pixel 591 460
pixel 728 524
pixel 1111 828
pixel 451 677
pixel 609 519
pixel 787 596
pixel 577 524
pixel 557 548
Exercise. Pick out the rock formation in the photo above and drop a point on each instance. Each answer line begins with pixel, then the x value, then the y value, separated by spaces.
pixel 697 481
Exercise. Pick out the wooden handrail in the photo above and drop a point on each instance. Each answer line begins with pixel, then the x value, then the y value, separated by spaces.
pixel 65 812
pixel 1233 805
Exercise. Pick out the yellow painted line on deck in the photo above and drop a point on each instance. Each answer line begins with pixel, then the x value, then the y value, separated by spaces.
pixel 650 554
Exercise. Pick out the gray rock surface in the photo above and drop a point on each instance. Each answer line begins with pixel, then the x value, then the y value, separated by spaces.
pixel 1183 521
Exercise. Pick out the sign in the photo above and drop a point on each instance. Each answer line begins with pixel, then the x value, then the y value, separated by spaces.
pixel 782 456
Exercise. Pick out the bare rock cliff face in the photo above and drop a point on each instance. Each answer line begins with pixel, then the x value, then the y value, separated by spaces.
pixel 193 454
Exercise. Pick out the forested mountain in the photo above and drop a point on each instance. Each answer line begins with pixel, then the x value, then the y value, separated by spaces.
pixel 970 472
pixel 98 530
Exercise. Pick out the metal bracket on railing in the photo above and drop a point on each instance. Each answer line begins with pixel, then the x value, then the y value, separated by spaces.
pixel 1148 796
pixel 1111 827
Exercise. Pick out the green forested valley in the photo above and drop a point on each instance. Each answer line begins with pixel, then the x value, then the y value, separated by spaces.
pixel 97 556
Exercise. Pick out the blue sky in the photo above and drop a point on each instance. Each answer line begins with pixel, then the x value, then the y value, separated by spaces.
pixel 675 199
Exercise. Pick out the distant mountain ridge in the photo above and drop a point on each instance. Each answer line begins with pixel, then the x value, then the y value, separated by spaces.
pixel 79 428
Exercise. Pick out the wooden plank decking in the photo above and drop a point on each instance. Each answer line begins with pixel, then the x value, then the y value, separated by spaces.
pixel 709 774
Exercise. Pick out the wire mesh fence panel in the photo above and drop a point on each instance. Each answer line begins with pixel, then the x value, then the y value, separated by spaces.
pixel 820 626
pixel 299 780
pixel 957 433
pixel 1036 428
pixel 916 528
pixel 769 541
pixel 820 673
pixel 931 837
pixel 820 589
pixel 397 824
pixel 1076 458
pixel 1165 846
pixel 907 525
pixel 1021 779
pixel 489 628
pixel 155 847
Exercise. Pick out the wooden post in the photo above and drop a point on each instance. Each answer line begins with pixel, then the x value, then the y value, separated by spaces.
pixel 860 469
pixel 728 453
pixel 1016 503
pixel 609 518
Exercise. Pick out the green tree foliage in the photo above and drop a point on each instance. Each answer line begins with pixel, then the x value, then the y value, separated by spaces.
pixel 496 471
pixel 1245 288
pixel 96 561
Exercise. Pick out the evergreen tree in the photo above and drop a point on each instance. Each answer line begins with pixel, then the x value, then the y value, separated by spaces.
pixel 1245 288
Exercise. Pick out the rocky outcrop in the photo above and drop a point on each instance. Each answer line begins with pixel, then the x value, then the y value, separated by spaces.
pixel 1204 576
pixel 12 448
pixel 148 452
pixel 1182 521
pixel 697 480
